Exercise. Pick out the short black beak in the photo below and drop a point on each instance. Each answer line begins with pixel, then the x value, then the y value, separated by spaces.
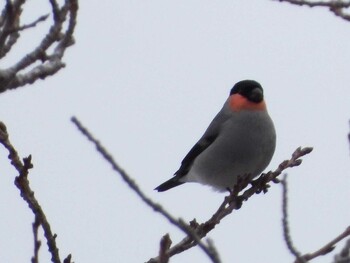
pixel 256 95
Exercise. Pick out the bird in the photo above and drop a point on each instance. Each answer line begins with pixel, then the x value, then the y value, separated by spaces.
pixel 239 143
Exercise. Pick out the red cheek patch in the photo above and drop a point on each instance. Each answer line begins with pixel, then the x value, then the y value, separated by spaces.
pixel 238 103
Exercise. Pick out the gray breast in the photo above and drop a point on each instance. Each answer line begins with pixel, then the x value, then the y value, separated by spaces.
pixel 245 146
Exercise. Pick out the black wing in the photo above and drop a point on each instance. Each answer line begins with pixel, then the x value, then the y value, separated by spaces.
pixel 207 139
pixel 196 150
pixel 186 163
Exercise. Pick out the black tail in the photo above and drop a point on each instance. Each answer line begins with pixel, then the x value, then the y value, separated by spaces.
pixel 173 182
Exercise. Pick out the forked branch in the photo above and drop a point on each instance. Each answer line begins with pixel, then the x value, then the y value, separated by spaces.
pixel 45 59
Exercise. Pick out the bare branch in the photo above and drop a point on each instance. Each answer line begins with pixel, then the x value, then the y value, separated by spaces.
pixel 55 10
pixel 337 7
pixel 22 183
pixel 33 24
pixel 340 13
pixel 165 244
pixel 234 201
pixel 37 243
pixel 195 232
pixel 9 19
pixel 131 183
pixel 68 259
pixel 213 249
pixel 57 40
pixel 334 4
pixel 285 224
pixel 328 247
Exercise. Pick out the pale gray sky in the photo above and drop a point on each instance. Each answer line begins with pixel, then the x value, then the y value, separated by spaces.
pixel 147 77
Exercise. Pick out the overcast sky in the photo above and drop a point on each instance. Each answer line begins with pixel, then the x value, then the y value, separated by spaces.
pixel 147 77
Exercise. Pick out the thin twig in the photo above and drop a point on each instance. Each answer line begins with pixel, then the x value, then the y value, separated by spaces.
pixel 131 183
pixel 37 242
pixel 328 247
pixel 213 249
pixel 165 244
pixel 285 223
pixel 22 183
pixel 10 19
pixel 55 10
pixel 337 7
pixel 33 24
pixel 68 259
pixel 45 59
pixel 335 4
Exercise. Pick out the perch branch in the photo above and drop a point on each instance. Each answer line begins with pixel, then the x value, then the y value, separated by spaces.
pixel 235 200
pixel 131 183
pixel 195 232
